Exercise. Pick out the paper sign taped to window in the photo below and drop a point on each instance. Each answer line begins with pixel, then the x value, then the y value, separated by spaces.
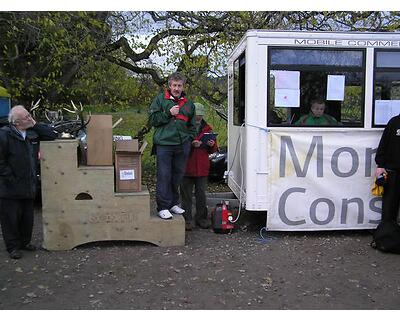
pixel 286 79
pixel 287 98
pixel 127 175
pixel 335 88
pixel 385 110
pixel 382 111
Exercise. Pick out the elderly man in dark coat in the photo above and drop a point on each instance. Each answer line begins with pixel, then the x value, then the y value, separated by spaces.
pixel 18 179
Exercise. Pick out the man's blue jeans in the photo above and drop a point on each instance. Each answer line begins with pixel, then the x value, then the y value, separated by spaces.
pixel 171 166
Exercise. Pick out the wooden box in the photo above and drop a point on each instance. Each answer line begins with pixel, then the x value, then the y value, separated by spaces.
pixel 100 141
pixel 128 169
pixel 101 214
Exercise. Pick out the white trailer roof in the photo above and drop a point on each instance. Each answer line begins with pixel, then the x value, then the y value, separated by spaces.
pixel 372 39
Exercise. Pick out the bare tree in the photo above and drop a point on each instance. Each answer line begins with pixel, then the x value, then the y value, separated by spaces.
pixel 198 43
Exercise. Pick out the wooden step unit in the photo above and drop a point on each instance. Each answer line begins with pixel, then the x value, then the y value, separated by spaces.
pixel 80 205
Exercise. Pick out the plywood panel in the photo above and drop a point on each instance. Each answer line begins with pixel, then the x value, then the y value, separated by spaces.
pixel 99 141
pixel 101 214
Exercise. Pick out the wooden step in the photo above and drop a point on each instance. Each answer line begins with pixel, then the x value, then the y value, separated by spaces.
pixel 81 206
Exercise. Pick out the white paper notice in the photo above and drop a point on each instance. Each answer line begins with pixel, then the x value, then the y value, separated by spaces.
pixel 287 98
pixel 385 110
pixel 395 108
pixel 287 79
pixel 119 138
pixel 126 175
pixel 382 111
pixel 335 89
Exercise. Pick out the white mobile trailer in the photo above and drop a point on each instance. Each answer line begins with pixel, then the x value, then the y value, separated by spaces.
pixel 308 177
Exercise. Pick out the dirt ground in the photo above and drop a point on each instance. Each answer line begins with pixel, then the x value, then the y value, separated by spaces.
pixel 242 270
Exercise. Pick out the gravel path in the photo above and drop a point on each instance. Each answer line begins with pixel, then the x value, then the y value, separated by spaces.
pixel 314 270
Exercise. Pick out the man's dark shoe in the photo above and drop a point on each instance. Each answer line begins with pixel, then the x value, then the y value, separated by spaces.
pixel 15 254
pixel 29 247
pixel 203 223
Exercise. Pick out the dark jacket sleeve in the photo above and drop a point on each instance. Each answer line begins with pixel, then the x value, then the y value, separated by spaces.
pixel 45 132
pixel 5 169
pixel 381 152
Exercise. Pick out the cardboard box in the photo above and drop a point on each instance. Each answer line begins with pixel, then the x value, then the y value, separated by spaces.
pixel 100 141
pixel 127 145
pixel 128 168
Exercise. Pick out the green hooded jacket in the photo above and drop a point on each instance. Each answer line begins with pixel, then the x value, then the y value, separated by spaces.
pixel 310 119
pixel 170 130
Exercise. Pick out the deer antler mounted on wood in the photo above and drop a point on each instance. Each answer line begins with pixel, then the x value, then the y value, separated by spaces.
pixel 34 108
pixel 79 113
pixel 73 127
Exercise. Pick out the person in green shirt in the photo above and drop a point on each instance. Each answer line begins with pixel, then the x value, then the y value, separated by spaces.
pixel 317 117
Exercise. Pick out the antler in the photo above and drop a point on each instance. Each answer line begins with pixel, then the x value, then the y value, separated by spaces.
pixel 75 111
pixel 79 115
pixel 33 108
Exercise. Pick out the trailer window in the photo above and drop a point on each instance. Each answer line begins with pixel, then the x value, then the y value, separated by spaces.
pixel 239 72
pixel 386 86
pixel 331 78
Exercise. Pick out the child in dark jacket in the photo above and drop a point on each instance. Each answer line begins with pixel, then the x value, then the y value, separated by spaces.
pixel 196 174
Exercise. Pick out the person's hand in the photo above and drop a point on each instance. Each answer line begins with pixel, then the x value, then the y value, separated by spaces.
pixel 196 143
pixel 32 122
pixel 210 143
pixel 27 122
pixel 174 110
pixel 380 171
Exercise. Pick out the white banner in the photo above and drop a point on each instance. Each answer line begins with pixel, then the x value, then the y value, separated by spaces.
pixel 321 180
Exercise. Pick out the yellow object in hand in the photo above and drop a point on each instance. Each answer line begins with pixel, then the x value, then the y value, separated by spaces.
pixel 376 190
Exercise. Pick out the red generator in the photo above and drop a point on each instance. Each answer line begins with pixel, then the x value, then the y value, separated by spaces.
pixel 221 218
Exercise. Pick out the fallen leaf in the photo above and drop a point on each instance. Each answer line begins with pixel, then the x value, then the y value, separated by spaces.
pixel 268 282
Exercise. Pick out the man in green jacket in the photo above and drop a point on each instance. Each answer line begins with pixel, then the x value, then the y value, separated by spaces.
pixel 317 117
pixel 173 117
